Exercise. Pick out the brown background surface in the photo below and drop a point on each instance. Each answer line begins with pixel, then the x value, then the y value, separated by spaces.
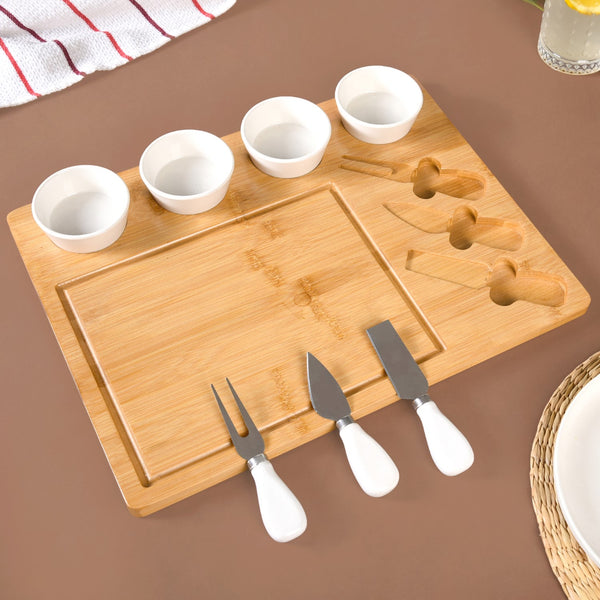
pixel 65 530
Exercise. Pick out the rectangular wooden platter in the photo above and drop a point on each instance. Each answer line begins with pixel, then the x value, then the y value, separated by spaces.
pixel 279 268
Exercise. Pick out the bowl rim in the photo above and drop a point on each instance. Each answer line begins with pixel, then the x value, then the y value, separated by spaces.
pixel 377 126
pixel 80 236
pixel 319 150
pixel 186 197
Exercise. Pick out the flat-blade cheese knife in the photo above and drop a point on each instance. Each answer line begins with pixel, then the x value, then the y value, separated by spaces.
pixel 373 469
pixel 450 450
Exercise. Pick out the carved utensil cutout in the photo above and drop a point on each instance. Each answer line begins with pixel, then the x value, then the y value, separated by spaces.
pixel 427 178
pixel 508 281
pixel 465 226
pixel 430 220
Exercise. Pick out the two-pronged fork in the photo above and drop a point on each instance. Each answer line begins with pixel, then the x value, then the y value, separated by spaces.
pixel 282 514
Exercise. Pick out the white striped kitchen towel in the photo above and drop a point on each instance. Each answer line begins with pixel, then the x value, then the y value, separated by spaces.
pixel 48 45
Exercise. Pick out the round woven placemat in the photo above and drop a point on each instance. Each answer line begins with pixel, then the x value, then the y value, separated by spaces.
pixel 579 577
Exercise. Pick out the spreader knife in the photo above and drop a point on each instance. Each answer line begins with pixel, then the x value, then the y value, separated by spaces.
pixel 450 450
pixel 374 470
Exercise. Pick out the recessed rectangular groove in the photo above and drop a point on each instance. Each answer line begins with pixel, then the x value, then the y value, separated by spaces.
pixel 125 435
pixel 390 272
pixel 146 473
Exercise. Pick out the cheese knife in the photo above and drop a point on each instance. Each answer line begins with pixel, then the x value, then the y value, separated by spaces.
pixel 449 448
pixel 371 465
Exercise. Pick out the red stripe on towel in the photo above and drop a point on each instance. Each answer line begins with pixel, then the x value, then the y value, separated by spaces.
pixel 18 69
pixel 94 28
pixel 151 20
pixel 68 58
pixel 206 14
pixel 19 24
pixel 41 39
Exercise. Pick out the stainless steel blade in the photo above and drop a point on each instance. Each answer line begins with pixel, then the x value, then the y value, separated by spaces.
pixel 250 445
pixel 404 373
pixel 326 395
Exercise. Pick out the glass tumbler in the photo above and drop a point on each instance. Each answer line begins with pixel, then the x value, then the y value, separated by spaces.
pixel 570 38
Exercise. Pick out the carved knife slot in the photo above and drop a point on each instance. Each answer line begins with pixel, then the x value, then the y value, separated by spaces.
pixel 508 281
pixel 465 226
pixel 427 178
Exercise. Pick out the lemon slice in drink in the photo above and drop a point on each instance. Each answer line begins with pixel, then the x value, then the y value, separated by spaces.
pixel 586 7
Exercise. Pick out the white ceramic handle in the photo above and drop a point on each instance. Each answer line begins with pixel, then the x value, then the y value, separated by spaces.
pixel 374 470
pixel 282 514
pixel 449 448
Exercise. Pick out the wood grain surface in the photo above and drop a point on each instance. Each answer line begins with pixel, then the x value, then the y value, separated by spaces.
pixel 419 232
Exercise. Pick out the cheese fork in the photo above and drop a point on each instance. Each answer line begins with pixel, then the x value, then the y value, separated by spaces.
pixel 281 512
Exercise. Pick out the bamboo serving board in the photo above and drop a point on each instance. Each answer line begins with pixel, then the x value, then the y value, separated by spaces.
pixel 419 232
